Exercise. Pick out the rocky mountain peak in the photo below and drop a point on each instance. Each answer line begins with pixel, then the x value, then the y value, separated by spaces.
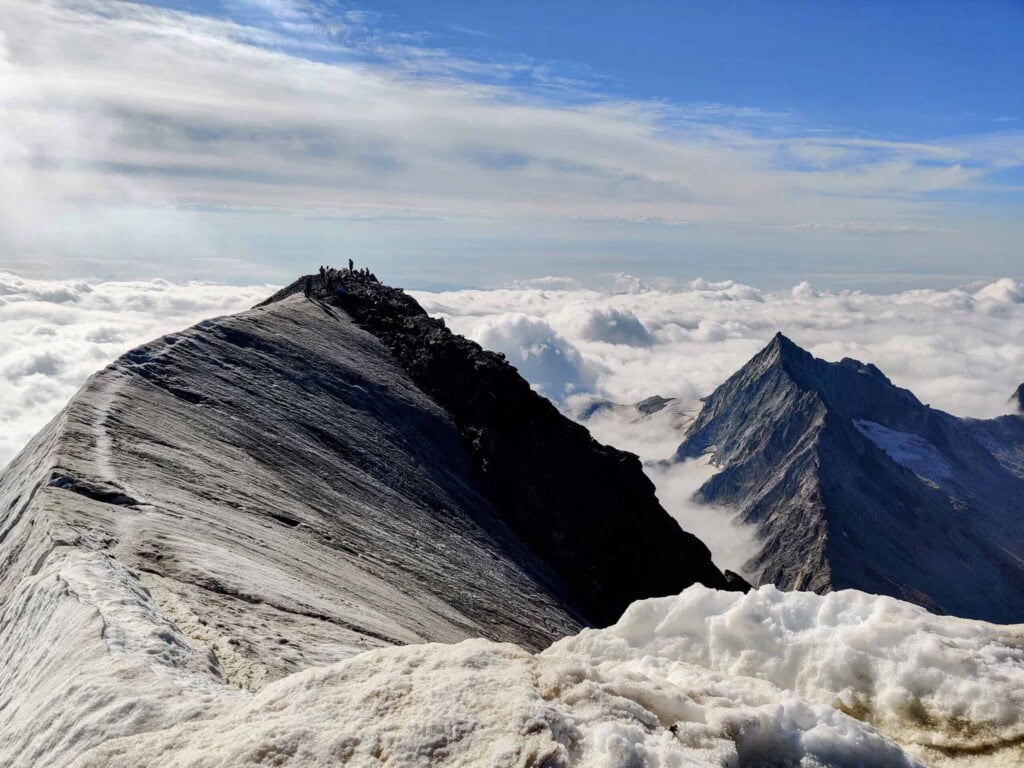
pixel 1018 398
pixel 785 349
pixel 844 387
pixel 565 494
pixel 780 353
pixel 839 468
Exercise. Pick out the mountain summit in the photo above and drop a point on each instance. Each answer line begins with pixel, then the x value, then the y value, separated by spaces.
pixel 853 482
pixel 291 485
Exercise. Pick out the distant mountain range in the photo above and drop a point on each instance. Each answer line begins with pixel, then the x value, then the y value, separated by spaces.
pixel 852 482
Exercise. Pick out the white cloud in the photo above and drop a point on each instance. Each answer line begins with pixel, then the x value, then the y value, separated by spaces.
pixel 960 350
pixel 731 542
pixel 1001 292
pixel 545 359
pixel 859 227
pixel 53 335
pixel 615 326
pixel 109 109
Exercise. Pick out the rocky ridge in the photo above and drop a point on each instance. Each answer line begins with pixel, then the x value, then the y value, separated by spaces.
pixel 282 489
pixel 852 482
pixel 531 460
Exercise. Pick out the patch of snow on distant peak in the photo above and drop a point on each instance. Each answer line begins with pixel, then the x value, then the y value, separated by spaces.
pixel 911 451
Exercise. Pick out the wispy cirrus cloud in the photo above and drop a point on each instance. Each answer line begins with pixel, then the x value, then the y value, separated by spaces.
pixel 111 111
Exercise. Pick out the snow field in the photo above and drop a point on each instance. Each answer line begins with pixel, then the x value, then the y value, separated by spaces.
pixel 702 679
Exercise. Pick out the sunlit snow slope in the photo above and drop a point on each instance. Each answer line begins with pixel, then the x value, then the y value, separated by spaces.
pixel 247 498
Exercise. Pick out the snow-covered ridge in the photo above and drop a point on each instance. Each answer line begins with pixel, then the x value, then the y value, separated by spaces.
pixel 272 491
pixel 703 679
pixel 911 451
pixel 228 505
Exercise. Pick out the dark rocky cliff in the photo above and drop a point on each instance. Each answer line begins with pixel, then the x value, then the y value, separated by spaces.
pixel 585 509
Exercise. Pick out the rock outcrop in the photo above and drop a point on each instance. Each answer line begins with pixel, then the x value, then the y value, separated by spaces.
pixel 586 510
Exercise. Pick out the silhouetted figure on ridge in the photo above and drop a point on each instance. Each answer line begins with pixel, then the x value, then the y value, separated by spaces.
pixel 351 266
pixel 323 276
pixel 308 287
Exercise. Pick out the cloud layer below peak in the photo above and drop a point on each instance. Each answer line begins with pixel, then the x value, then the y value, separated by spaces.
pixel 960 350
pixel 55 334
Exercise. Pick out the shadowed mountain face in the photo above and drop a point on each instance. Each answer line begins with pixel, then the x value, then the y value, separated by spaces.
pixel 586 510
pixel 1018 398
pixel 853 482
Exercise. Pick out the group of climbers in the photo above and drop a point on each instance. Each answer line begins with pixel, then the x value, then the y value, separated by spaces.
pixel 331 278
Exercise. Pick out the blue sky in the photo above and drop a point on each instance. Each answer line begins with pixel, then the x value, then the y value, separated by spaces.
pixel 889 69
pixel 863 144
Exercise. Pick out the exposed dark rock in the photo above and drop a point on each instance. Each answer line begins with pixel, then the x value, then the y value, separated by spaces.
pixel 853 482
pixel 736 582
pixel 586 510
pixel 652 404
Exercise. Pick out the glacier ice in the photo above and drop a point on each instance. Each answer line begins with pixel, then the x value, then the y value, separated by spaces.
pixel 912 451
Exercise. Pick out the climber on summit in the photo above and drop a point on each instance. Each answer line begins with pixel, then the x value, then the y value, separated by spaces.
pixel 351 266
pixel 323 276
pixel 308 290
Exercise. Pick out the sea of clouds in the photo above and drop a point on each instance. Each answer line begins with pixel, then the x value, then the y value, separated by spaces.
pixel 55 334
pixel 961 350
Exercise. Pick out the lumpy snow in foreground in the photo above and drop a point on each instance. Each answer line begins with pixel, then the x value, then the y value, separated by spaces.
pixel 703 679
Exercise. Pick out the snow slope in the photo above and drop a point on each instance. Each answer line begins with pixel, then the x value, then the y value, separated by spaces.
pixel 703 679
pixel 271 491
pixel 907 449
pixel 225 506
